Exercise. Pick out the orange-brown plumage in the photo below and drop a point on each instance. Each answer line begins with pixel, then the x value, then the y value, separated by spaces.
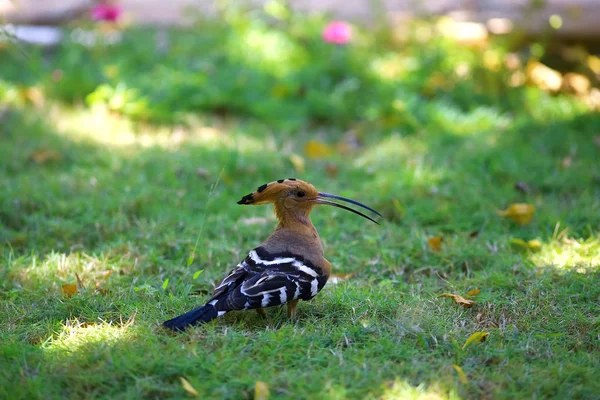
pixel 288 266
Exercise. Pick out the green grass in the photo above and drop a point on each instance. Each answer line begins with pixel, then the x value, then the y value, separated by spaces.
pixel 122 205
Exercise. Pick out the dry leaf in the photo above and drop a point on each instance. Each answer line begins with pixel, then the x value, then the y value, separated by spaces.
pixel 521 213
pixel 297 162
pixel 461 374
pixel 44 155
pixel 69 289
pixel 315 149
pixel 567 161
pixel 473 292
pixel 519 244
pixel 435 243
pixel 477 337
pixel 187 386
pixel 458 299
pixel 474 234
pixel 261 391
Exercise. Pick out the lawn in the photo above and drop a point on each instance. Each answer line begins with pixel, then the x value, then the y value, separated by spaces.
pixel 121 166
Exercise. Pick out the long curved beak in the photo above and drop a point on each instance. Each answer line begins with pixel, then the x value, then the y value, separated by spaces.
pixel 321 200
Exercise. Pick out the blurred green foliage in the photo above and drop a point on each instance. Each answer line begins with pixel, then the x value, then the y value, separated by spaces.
pixel 273 66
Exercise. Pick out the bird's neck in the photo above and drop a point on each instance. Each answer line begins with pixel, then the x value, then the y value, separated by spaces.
pixel 297 220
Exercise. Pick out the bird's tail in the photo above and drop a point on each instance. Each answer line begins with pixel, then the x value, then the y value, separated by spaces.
pixel 197 316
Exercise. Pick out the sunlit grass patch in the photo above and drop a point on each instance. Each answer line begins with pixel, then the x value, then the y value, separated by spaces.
pixel 580 255
pixel 399 389
pixel 75 334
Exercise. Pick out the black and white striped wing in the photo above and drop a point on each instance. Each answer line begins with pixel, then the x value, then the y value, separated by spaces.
pixel 266 279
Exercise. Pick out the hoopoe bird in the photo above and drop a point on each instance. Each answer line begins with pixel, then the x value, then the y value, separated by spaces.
pixel 287 267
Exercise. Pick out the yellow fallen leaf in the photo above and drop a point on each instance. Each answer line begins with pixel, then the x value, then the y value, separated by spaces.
pixel 298 163
pixel 458 299
pixel 69 289
pixel 45 155
pixel 462 377
pixel 521 213
pixel 187 386
pixel 473 292
pixel 315 149
pixel 519 244
pixel 435 243
pixel 477 337
pixel 261 391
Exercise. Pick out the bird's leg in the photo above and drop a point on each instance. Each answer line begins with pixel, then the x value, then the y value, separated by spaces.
pixel 261 312
pixel 291 309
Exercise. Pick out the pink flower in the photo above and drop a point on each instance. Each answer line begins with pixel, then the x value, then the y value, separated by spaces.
pixel 106 12
pixel 337 32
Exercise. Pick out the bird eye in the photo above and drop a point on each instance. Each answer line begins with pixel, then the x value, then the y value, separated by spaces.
pixel 300 194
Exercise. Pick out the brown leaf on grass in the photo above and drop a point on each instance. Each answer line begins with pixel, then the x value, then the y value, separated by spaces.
pixel 473 292
pixel 69 289
pixel 315 149
pixel 45 155
pixel 261 391
pixel 462 377
pixel 458 299
pixel 474 234
pixel 435 243
pixel 477 337
pixel 521 213
pixel 187 386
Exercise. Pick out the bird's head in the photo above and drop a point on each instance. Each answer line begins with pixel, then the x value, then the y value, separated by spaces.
pixel 294 199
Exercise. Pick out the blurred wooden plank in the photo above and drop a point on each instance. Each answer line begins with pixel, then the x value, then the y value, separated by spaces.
pixel 579 17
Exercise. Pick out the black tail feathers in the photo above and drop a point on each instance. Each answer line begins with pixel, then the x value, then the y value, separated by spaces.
pixel 197 316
